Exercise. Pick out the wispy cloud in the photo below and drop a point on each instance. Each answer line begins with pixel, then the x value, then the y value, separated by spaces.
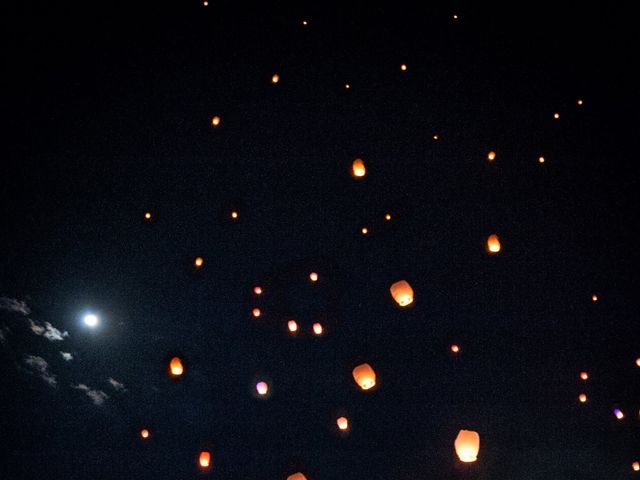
pixel 39 366
pixel 47 330
pixel 3 334
pixel 98 397
pixel 14 305
pixel 118 386
pixel 67 356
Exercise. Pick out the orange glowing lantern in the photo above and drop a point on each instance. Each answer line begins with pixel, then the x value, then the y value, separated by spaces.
pixel 176 367
pixel 358 169
pixel 364 376
pixel 292 326
pixel 402 293
pixel 364 230
pixel 387 217
pixel 343 423
pixel 582 397
pixel 215 121
pixel 144 433
pixel 491 156
pixel 304 22
pixel 467 445
pixel 147 215
pixel 580 101
pixel 436 137
pixel 205 3
pixel 584 376
pixel 262 388
pixel 403 67
pixel 638 361
pixel 493 244
pixel 198 262
pixel 256 312
pixel 275 78
pixel 313 276
pixel 234 214
pixel 455 348
pixel 540 159
pixel 594 298
pixel 297 476
pixel 347 86
pixel 204 459
pixel 556 116
pixel 317 328
pixel 257 290
pixel 635 466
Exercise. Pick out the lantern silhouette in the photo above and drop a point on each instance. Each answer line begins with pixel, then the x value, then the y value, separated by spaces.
pixel 364 376
pixel 176 367
pixel 583 398
pixel 262 388
pixel 387 217
pixel 491 156
pixel 292 325
pixel 493 244
pixel 358 169
pixel 297 476
pixel 343 423
pixel 317 328
pixel 402 293
pixel 467 445
pixel 144 433
pixel 204 459
pixel 215 121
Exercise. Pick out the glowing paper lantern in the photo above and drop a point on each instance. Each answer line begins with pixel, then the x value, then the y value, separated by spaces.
pixel 262 388
pixel 347 86
pixel 176 367
pixel 204 459
pixel 257 290
pixel 584 375
pixel 491 156
pixel 493 244
pixel 540 159
pixel 313 276
pixel 144 433
pixel 215 121
pixel 364 230
pixel 275 78
pixel 582 397
pixel 580 102
pixel 638 361
pixel 292 325
pixel 343 423
pixel 364 376
pixel 234 214
pixel 594 298
pixel 304 22
pixel 436 137
pixel 147 216
pixel 403 67
pixel 198 262
pixel 618 413
pixel 635 466
pixel 255 312
pixel 402 293
pixel 358 169
pixel 556 116
pixel 387 217
pixel 317 328
pixel 467 445
pixel 297 476
pixel 455 348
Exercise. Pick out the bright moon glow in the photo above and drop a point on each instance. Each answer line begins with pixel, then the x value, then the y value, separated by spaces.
pixel 91 320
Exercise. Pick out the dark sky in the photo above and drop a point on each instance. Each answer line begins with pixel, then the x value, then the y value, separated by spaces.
pixel 107 111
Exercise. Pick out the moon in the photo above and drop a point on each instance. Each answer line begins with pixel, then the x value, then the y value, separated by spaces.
pixel 91 320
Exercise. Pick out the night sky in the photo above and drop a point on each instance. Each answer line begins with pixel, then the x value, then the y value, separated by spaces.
pixel 108 115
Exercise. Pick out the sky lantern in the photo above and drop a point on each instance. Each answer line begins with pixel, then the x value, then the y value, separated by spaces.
pixel 275 78
pixel 305 23
pixel 582 397
pixel 540 159
pixel 436 137
pixel 147 215
pixel 255 312
pixel 144 433
pixel 347 86
pixel 638 361
pixel 234 214
pixel 364 230
pixel 556 116
pixel 584 376
pixel 176 367
pixel 313 276
pixel 262 388
pixel 455 348
pixel 580 101
pixel 467 445
pixel 636 466
pixel 493 244
pixel 594 298
pixel 358 169
pixel 198 262
pixel 618 413
pixel 387 216
pixel 343 423
pixel 257 290
pixel 402 293
pixel 403 67
pixel 317 328
pixel 297 476
pixel 364 376
pixel 204 459
pixel 215 121
pixel 292 325
pixel 491 156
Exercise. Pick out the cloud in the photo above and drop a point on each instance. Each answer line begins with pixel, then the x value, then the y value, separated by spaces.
pixel 47 330
pixel 67 356
pixel 14 305
pixel 98 397
pixel 3 334
pixel 40 367
pixel 118 386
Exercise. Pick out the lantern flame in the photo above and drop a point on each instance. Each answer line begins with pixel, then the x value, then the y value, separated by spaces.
pixel 493 244
pixel 176 367
pixel 358 169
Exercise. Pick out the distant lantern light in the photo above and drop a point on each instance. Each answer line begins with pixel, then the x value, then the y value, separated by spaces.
pixel 262 388
pixel 215 121
pixel 402 293
pixel 343 423
pixel 467 445
pixel 493 244
pixel 364 230
pixel 175 367
pixel 556 116
pixel 358 169
pixel 204 459
pixel 313 276
pixel 638 361
pixel 304 22
pixel 594 298
pixel 317 328
pixel 364 376
pixel 584 376
pixel 403 67
pixel 387 217
pixel 256 312
pixel 292 325
pixel 582 397
pixel 347 86
pixel 580 101
pixel 275 78
pixel 198 262
pixel 455 17
pixel 234 214
pixel 455 348
pixel 297 476
pixel 436 137
pixel 635 466
pixel 491 156
pixel 147 215
pixel 618 413
pixel 257 290
pixel 144 433
pixel 205 3
pixel 540 159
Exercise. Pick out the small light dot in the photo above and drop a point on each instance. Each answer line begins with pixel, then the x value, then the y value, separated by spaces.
pixel 584 375
pixel 635 466
pixel 455 17
pixel 436 137
pixel 343 423
pixel 198 262
pixel 580 102
pixel 556 116
pixel 347 86
pixel 205 3
pixel 491 156
pixel 364 230
pixel 304 22
pixel 262 388
pixel 455 348
pixel 594 298
pixel 292 325
pixel 257 290
pixel 582 397
pixel 275 78
pixel 618 413
pixel 147 215
pixel 313 276
pixel 403 67
pixel 541 159
pixel 387 217
pixel 144 433
pixel 234 214
pixel 317 328
pixel 215 121
pixel 256 312
pixel 638 361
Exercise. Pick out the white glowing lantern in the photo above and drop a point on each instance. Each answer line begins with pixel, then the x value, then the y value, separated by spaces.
pixel 262 388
